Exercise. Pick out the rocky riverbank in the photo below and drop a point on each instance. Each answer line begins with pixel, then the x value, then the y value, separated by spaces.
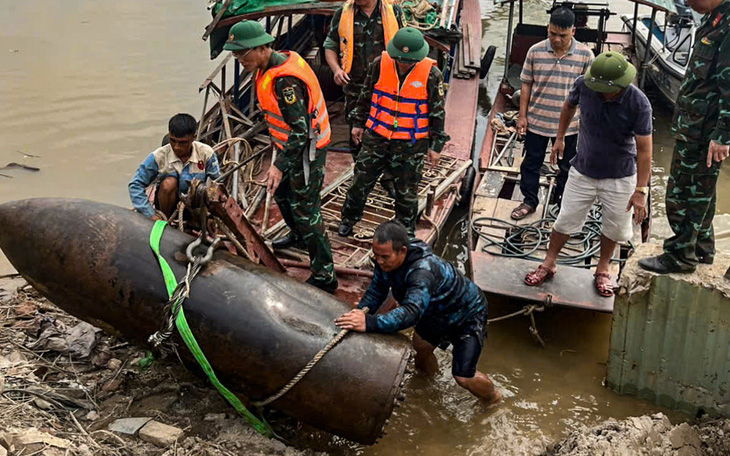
pixel 70 389
pixel 67 388
pixel 647 435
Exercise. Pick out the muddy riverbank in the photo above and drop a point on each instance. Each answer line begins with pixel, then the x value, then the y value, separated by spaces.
pixel 90 98
pixel 70 389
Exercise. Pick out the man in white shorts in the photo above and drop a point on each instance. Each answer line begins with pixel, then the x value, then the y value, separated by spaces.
pixel 612 164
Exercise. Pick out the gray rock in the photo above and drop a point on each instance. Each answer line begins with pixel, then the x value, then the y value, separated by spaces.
pixel 128 426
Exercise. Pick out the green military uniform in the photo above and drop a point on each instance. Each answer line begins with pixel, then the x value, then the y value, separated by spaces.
pixel 299 201
pixel 369 42
pixel 402 158
pixel 702 115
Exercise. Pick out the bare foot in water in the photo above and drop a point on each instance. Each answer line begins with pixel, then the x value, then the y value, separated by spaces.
pixel 493 401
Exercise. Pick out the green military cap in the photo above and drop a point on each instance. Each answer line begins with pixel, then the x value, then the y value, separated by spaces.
pixel 610 72
pixel 408 45
pixel 247 35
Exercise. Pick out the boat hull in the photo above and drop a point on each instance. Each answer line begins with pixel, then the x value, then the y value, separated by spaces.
pixel 256 327
pixel 666 75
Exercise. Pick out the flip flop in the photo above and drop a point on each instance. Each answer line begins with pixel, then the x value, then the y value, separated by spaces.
pixel 602 282
pixel 538 276
pixel 521 211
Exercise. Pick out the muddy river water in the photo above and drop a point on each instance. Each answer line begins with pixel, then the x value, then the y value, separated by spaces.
pixel 86 90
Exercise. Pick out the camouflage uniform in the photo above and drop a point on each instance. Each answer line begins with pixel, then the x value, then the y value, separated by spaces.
pixel 702 115
pixel 402 158
pixel 369 42
pixel 299 202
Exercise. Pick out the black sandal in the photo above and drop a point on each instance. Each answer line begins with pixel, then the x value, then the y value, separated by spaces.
pixel 519 212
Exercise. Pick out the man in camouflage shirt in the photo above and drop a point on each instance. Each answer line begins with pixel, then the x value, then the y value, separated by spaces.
pixel 701 127
pixel 404 158
pixel 445 307
pixel 368 42
pixel 296 189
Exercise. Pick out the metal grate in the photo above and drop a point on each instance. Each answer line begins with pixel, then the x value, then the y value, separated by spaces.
pixel 355 251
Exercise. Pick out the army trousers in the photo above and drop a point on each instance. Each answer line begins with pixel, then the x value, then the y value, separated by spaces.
pixel 352 92
pixel 299 204
pixel 404 160
pixel 690 202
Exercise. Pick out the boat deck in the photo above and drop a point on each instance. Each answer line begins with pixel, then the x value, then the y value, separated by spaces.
pixel 227 123
pixel 505 250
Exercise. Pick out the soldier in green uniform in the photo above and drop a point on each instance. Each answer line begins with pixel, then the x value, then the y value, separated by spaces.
pixel 297 174
pixel 701 127
pixel 393 138
pixel 368 42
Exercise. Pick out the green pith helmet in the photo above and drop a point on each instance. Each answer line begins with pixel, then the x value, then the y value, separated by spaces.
pixel 247 35
pixel 609 73
pixel 408 45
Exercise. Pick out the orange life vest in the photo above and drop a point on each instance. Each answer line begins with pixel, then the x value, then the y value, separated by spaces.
pixel 346 26
pixel 400 111
pixel 278 129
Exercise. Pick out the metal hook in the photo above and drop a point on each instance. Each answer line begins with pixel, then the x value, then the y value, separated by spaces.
pixel 208 254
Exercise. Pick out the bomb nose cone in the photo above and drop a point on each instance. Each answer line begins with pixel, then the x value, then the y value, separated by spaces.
pixel 13 219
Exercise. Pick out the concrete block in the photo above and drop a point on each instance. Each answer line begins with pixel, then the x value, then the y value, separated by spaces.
pixel 160 434
pixel 670 338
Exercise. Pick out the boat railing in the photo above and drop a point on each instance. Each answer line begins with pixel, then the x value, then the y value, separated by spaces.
pixel 678 48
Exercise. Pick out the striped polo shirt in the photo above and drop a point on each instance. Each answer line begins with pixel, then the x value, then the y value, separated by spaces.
pixel 551 79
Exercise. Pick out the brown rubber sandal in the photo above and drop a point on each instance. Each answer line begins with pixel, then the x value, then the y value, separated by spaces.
pixel 521 211
pixel 603 284
pixel 538 276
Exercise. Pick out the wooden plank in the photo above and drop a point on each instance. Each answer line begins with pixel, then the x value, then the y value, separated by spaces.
pixel 485 206
pixel 505 207
pixel 505 169
pixel 473 58
pixel 216 19
pixel 471 15
pixel 570 287
pixel 462 69
pixel 208 81
pixel 461 101
pixel 466 43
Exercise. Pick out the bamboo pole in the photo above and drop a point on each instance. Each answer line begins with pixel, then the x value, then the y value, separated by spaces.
pixel 265 221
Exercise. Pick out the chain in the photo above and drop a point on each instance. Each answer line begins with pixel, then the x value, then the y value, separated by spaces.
pixel 160 339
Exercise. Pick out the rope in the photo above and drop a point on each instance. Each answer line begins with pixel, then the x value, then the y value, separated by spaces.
pixel 529 310
pixel 178 292
pixel 246 173
pixel 524 311
pixel 419 14
pixel 306 368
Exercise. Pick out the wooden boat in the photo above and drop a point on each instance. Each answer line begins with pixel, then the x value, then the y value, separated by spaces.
pixel 231 120
pixel 503 251
pixel 671 45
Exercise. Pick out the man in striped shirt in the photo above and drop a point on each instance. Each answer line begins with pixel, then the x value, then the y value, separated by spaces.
pixel 550 68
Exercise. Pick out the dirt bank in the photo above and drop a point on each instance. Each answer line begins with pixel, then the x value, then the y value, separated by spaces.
pixel 65 384
pixel 647 435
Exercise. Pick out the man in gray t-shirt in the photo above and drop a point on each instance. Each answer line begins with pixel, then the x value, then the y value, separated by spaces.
pixel 612 163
